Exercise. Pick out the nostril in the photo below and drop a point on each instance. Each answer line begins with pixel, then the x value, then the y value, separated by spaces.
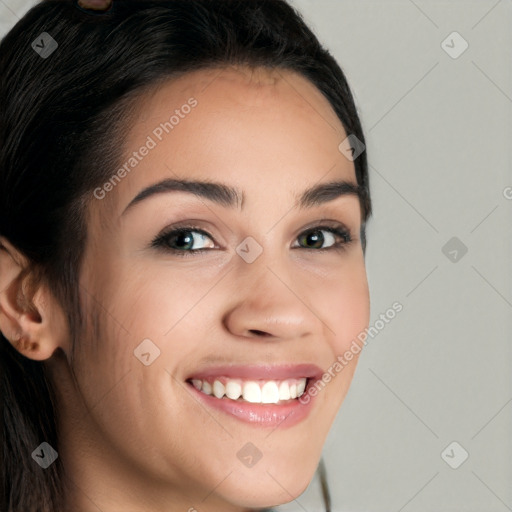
pixel 261 333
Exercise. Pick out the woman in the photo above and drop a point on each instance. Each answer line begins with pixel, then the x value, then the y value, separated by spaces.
pixel 184 195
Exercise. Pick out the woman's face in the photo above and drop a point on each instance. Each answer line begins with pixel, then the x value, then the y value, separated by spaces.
pixel 274 297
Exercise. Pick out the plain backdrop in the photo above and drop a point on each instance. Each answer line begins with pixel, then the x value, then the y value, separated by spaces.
pixel 427 423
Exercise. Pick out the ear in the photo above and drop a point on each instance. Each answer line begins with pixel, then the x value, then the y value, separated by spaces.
pixel 30 317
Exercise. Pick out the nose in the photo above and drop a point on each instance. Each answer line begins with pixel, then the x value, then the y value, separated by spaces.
pixel 267 302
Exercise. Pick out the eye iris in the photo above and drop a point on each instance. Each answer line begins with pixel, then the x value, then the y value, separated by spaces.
pixel 316 236
pixel 189 240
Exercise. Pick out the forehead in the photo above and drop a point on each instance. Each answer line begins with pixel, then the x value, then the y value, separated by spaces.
pixel 235 95
pixel 253 128
pixel 241 86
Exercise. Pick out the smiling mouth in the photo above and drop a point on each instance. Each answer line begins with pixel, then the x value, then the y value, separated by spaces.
pixel 260 395
pixel 252 390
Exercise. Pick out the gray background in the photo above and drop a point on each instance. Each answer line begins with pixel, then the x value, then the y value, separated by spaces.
pixel 439 133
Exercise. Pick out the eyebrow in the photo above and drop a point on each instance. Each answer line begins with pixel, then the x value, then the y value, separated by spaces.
pixel 231 197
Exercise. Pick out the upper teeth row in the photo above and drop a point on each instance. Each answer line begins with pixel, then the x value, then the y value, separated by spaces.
pixel 266 392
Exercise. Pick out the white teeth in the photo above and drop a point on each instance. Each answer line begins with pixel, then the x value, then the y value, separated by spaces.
pixel 301 386
pixel 218 389
pixel 252 392
pixel 284 391
pixel 293 390
pixel 270 393
pixel 233 389
pixel 265 392
pixel 206 387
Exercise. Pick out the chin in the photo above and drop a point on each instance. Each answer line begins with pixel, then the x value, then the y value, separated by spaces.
pixel 267 489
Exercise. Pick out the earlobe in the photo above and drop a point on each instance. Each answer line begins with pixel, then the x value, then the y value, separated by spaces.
pixel 30 318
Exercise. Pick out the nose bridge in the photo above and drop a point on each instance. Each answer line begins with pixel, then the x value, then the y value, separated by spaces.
pixel 264 298
pixel 260 263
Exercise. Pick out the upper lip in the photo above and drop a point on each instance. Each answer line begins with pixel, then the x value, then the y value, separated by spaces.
pixel 260 371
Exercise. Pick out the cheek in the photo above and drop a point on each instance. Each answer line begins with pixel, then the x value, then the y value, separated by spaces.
pixel 151 299
pixel 344 304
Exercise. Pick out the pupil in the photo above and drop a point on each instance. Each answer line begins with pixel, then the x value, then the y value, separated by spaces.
pixel 317 237
pixel 185 237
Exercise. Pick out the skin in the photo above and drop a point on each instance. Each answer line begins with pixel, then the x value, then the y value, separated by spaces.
pixel 133 438
pixel 96 5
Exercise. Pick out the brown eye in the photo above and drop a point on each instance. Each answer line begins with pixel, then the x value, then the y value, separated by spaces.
pixel 315 239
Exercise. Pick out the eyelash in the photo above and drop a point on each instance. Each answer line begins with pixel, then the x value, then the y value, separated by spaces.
pixel 160 242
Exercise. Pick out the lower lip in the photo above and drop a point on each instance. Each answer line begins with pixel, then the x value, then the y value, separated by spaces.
pixel 265 415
